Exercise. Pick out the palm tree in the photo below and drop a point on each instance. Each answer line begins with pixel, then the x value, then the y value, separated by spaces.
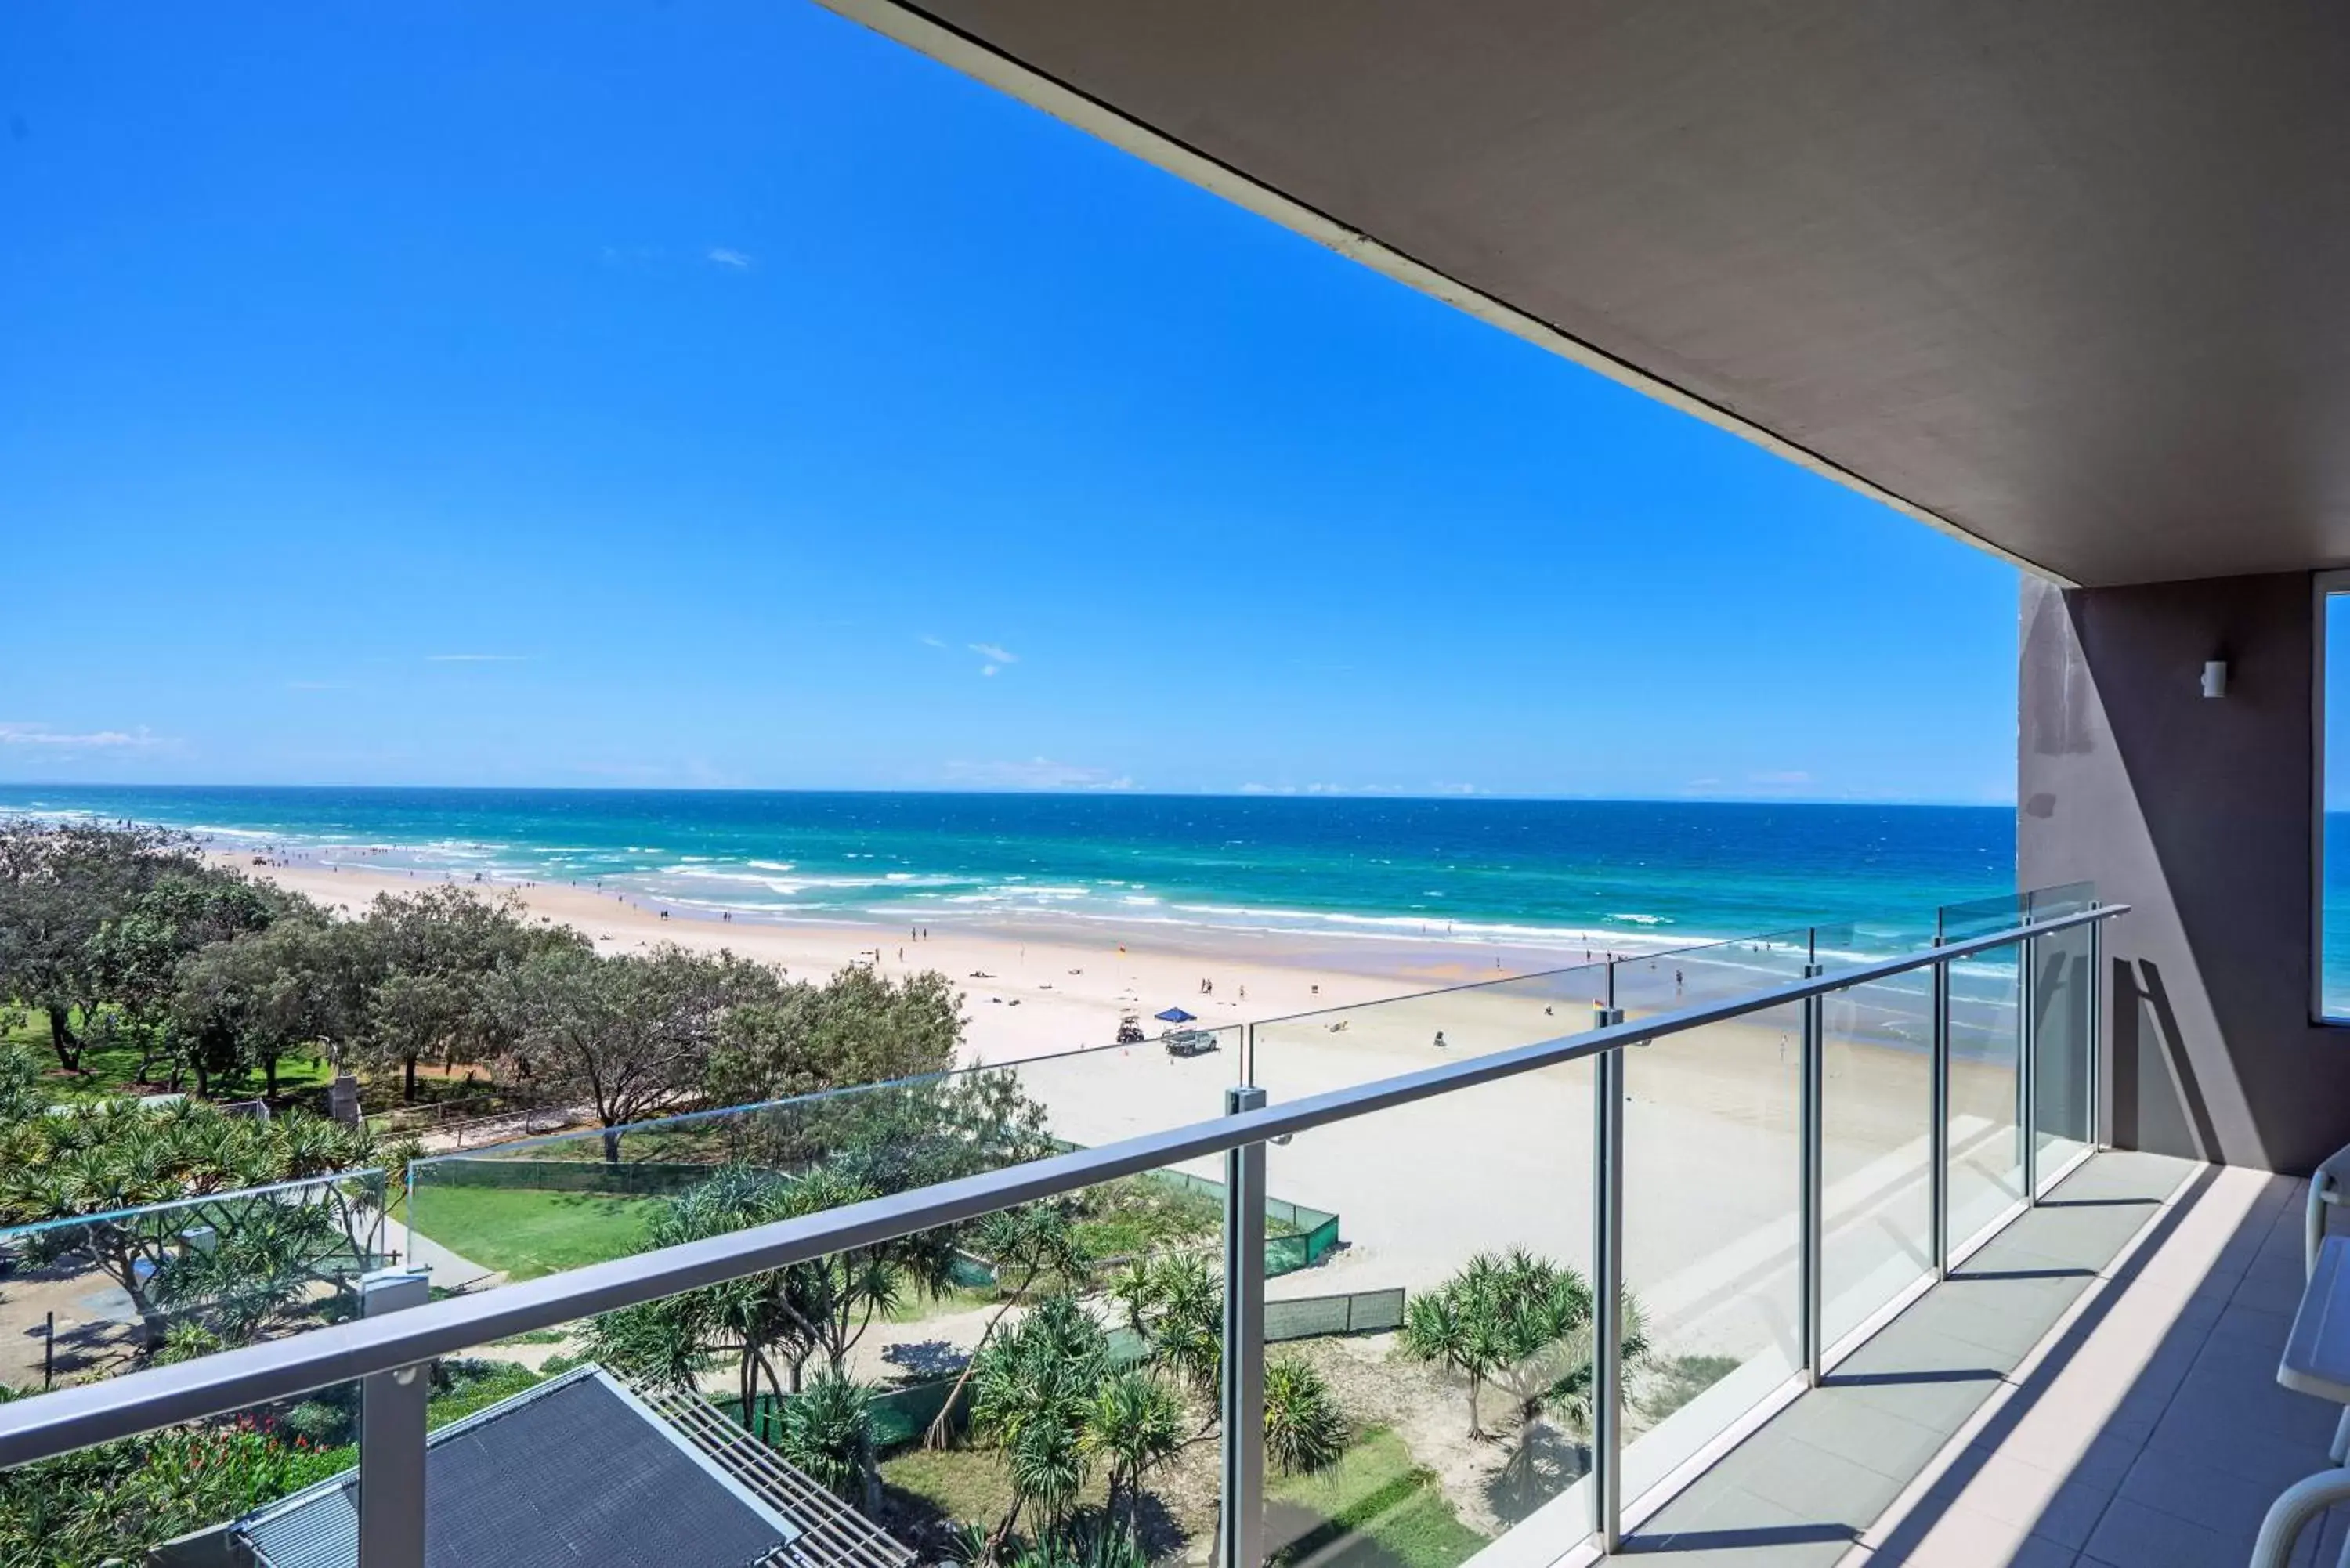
pixel 827 1431
pixel 1304 1430
pixel 1135 1422
pixel 1030 1242
pixel 1032 1390
pixel 1520 1322
pixel 1175 1305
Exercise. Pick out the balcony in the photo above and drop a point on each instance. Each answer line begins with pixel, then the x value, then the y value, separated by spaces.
pixel 1884 1293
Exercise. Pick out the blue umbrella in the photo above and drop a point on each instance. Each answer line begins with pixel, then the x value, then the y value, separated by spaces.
pixel 1173 1015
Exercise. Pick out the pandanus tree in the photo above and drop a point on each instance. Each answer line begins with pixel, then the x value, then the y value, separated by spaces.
pixel 1025 1246
pixel 158 1196
pixel 1523 1326
pixel 828 1432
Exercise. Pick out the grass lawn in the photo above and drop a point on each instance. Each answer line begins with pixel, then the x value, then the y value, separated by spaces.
pixel 107 1071
pixel 1373 1509
pixel 524 1232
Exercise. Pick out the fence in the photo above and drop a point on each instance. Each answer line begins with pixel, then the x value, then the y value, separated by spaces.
pixel 1310 1234
pixel 567 1175
pixel 1320 1317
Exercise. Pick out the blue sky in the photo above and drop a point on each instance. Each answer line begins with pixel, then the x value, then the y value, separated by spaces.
pixel 725 395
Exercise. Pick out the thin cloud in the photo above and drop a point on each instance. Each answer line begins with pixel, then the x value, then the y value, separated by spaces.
pixel 927 640
pixel 1037 773
pixel 997 657
pixel 1781 780
pixel 475 658
pixel 722 255
pixel 92 739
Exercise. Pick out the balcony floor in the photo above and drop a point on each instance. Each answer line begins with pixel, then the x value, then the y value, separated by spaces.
pixel 2095 1388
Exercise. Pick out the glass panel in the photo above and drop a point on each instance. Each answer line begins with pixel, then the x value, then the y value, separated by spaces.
pixel 1718 971
pixel 117 1501
pixel 1047 1375
pixel 2063 898
pixel 518 1211
pixel 1455 1319
pixel 96 1295
pixel 1981 917
pixel 93 1295
pixel 1877 1112
pixel 2060 1000
pixel 1986 1150
pixel 1340 1046
pixel 1711 1227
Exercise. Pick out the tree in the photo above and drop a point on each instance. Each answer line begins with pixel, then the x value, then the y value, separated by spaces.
pixel 828 1432
pixel 233 1259
pixel 1304 1430
pixel 1521 1324
pixel 1024 1245
pixel 856 1028
pixel 435 964
pixel 1036 1387
pixel 1135 1422
pixel 58 887
pixel 630 1033
pixel 1175 1303
pixel 260 997
pixel 138 954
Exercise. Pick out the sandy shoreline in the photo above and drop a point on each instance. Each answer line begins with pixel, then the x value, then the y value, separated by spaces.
pixel 1710 1117
pixel 1031 988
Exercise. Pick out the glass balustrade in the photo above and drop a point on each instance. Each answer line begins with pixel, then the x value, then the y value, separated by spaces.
pixel 1377 1335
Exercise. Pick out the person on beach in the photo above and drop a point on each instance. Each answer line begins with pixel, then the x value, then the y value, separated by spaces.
pixel 1440 1045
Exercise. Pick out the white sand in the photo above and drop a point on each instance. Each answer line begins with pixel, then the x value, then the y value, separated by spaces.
pixel 1709 1119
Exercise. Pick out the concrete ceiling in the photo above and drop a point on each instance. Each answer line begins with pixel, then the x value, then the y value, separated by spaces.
pixel 2072 275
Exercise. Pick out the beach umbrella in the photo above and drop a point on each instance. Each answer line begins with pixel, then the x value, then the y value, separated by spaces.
pixel 1173 1015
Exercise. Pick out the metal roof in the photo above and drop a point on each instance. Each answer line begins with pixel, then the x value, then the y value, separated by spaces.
pixel 577 1470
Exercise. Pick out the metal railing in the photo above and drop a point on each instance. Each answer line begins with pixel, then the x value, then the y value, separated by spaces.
pixel 386 1349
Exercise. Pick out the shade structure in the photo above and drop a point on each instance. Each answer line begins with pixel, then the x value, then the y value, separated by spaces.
pixel 1173 1015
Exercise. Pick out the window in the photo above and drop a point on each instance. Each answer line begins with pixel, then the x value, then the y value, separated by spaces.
pixel 2332 1000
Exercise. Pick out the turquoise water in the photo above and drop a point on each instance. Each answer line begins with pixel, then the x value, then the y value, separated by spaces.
pixel 1530 873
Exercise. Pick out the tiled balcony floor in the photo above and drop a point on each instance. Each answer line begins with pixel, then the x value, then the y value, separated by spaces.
pixel 2096 1388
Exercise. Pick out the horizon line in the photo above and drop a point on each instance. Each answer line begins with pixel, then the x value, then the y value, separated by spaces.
pixel 1324 795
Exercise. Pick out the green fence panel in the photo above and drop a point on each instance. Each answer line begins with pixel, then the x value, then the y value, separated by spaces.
pixel 1315 1317
pixel 562 1174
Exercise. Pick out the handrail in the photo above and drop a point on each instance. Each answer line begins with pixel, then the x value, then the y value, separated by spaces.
pixel 68 1418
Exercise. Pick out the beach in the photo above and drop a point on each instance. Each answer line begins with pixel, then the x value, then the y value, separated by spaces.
pixel 1710 1117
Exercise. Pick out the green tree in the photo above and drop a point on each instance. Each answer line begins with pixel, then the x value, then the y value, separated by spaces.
pixel 260 997
pixel 138 954
pixel 1035 1385
pixel 1520 1323
pixel 1135 1422
pixel 828 1432
pixel 1025 1246
pixel 60 885
pixel 112 1164
pixel 856 1028
pixel 1175 1303
pixel 629 1035
pixel 435 965
pixel 1304 1430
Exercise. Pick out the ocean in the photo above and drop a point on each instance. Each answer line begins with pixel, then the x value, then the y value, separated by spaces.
pixel 1528 873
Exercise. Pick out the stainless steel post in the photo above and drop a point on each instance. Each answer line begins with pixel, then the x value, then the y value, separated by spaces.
pixel 1812 1131
pixel 1939 1137
pixel 392 1437
pixel 1607 1281
pixel 1240 1537
pixel 2027 1088
pixel 2096 1090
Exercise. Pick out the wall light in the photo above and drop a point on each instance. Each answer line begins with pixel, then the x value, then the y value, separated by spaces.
pixel 2215 678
